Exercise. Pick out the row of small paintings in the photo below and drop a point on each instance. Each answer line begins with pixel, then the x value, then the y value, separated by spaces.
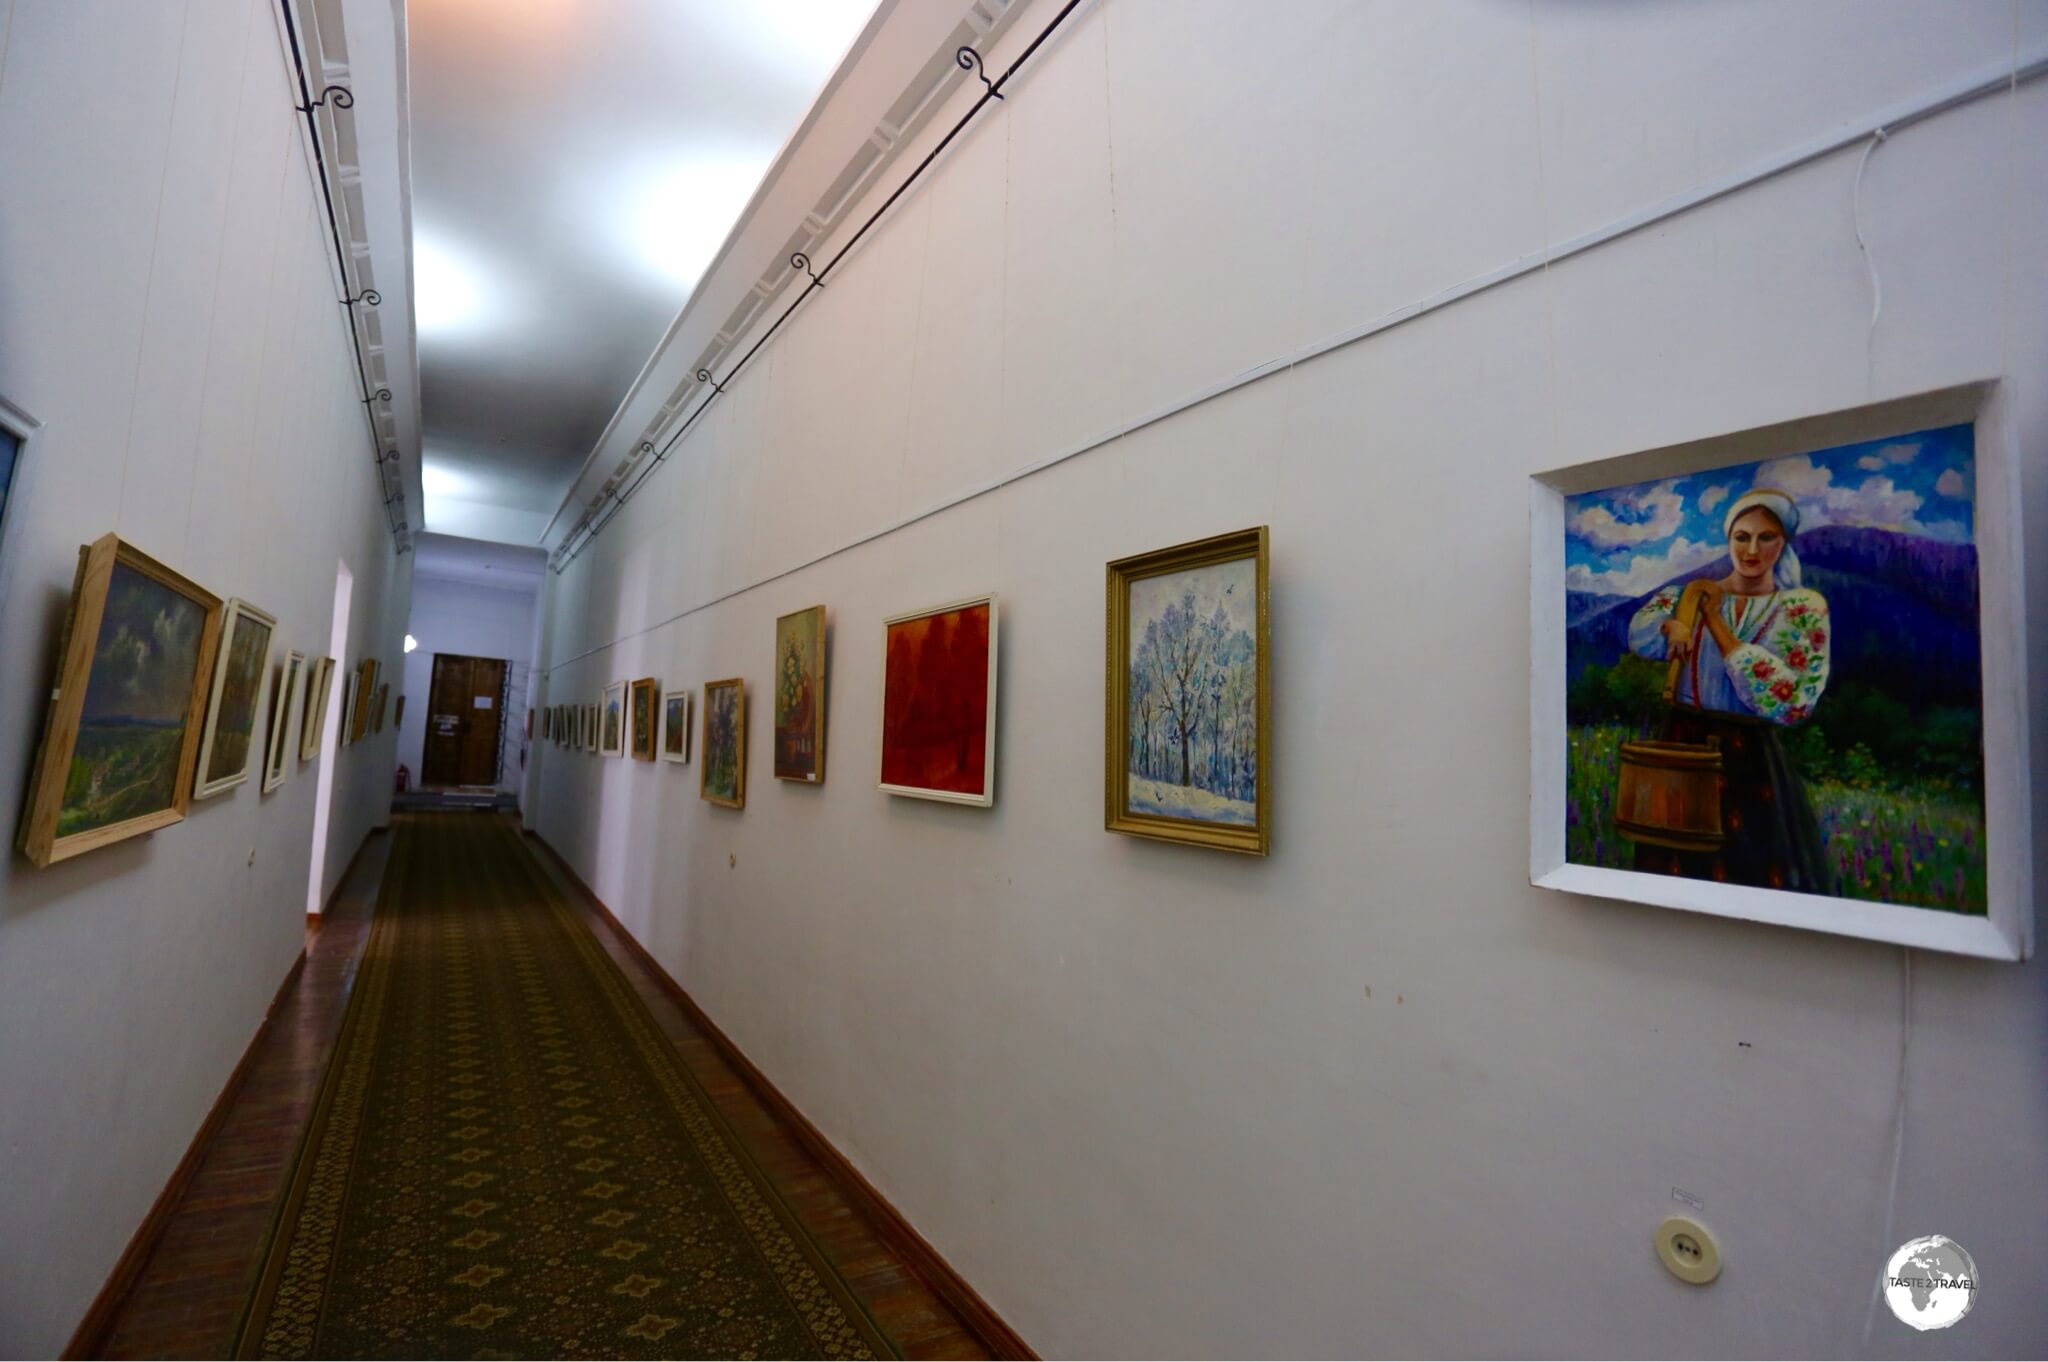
pixel 1187 695
pixel 159 688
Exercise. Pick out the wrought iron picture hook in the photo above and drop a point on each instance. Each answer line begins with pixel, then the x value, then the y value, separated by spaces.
pixel 368 295
pixel 704 376
pixel 970 60
pixel 338 93
pixel 798 260
pixel 381 395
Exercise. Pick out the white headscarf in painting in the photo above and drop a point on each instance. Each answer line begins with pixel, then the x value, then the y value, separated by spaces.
pixel 1787 512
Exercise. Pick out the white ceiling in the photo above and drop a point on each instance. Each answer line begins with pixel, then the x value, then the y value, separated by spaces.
pixel 507 567
pixel 576 164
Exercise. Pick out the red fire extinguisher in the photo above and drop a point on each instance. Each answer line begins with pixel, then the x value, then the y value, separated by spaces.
pixel 404 778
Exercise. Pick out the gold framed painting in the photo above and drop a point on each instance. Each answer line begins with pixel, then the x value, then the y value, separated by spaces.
pixel 800 696
pixel 283 699
pixel 344 734
pixel 366 693
pixel 646 697
pixel 1189 695
pixel 319 681
pixel 121 736
pixel 613 740
pixel 722 775
pixel 675 726
pixel 239 667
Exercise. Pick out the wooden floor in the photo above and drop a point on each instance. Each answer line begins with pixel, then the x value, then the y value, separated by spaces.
pixel 190 1293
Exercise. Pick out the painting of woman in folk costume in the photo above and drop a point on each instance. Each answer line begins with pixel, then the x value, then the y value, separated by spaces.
pixel 1774 678
pixel 1749 655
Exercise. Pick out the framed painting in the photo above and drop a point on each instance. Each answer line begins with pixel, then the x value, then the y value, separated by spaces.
pixel 1777 675
pixel 1190 696
pixel 377 708
pixel 284 698
pixel 646 699
pixel 589 727
pixel 800 696
pixel 398 712
pixel 675 726
pixel 121 735
pixel 365 695
pixel 345 733
pixel 319 679
pixel 939 702
pixel 17 431
pixel 239 666
pixel 722 775
pixel 612 742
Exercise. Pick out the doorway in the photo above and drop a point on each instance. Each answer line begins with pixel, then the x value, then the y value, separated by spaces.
pixel 465 718
pixel 330 735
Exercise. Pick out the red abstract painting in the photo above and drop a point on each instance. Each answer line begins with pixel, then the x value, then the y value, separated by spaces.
pixel 936 701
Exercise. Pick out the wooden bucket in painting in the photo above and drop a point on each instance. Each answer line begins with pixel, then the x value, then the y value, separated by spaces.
pixel 1669 793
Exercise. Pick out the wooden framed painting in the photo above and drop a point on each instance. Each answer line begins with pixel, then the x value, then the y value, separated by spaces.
pixel 1189 695
pixel 589 727
pixel 398 712
pixel 366 694
pixel 377 708
pixel 345 731
pixel 284 698
pixel 939 702
pixel 612 742
pixel 675 726
pixel 800 696
pixel 319 681
pixel 1779 675
pixel 645 702
pixel 239 666
pixel 121 735
pixel 722 775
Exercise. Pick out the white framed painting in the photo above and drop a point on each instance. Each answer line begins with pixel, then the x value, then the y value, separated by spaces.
pixel 284 698
pixel 229 735
pixel 613 717
pixel 1778 675
pixel 938 724
pixel 675 726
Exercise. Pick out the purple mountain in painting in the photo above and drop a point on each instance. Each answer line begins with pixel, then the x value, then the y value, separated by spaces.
pixel 1904 610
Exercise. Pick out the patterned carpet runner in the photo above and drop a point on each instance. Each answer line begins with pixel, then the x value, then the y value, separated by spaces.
pixel 509 1159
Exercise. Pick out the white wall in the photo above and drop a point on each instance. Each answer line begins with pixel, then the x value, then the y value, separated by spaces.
pixel 1374 1094
pixel 169 314
pixel 473 621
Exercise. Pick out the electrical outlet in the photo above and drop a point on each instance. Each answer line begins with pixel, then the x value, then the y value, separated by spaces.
pixel 1687 1250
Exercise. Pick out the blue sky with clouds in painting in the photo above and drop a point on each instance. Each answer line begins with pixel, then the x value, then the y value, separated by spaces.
pixel 1625 541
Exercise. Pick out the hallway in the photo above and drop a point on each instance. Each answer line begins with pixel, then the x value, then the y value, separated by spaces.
pixel 521 1144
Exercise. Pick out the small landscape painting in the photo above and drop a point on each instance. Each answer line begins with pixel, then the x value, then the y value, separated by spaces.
pixel 277 747
pixel 1188 703
pixel 800 695
pixel 675 726
pixel 646 696
pixel 722 774
pixel 1774 676
pixel 137 697
pixel 614 720
pixel 319 681
pixel 939 702
pixel 238 677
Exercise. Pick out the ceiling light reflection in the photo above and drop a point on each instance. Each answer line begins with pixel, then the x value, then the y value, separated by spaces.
pixel 447 296
pixel 679 215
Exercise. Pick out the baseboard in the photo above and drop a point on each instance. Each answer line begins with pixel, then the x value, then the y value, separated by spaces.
pixel 89 1339
pixel 949 1286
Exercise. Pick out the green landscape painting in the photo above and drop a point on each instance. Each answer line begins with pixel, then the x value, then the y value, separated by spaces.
pixel 234 723
pixel 137 696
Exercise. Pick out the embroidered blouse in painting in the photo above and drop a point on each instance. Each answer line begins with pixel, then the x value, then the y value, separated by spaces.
pixel 1776 672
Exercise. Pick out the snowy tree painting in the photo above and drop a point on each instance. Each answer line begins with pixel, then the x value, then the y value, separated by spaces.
pixel 1191 706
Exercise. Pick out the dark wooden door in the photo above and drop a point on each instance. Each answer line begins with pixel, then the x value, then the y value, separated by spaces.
pixel 463 719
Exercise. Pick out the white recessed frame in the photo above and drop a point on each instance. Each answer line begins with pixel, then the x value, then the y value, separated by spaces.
pixel 2007 930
